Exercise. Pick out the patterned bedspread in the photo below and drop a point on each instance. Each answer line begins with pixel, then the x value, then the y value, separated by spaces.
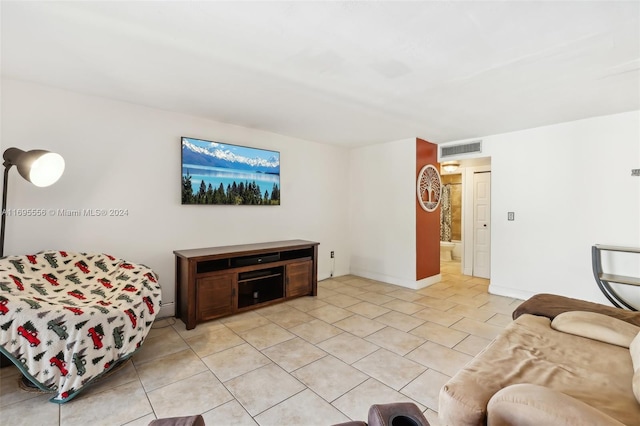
pixel 68 318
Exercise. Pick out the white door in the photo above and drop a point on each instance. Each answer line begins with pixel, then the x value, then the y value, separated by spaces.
pixel 482 224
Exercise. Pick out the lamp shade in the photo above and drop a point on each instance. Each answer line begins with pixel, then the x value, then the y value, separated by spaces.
pixel 40 167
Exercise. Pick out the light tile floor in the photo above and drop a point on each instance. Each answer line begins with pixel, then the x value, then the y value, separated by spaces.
pixel 309 361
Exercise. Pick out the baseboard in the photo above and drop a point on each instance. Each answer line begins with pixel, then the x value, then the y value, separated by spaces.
pixel 327 275
pixel 167 310
pixel 426 282
pixel 510 292
pixel 414 285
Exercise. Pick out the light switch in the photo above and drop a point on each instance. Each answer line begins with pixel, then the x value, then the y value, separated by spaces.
pixel 511 216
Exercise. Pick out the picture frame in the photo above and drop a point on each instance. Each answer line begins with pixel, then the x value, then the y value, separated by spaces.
pixel 218 173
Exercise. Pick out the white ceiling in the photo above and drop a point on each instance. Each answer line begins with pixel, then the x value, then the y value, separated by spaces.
pixel 344 73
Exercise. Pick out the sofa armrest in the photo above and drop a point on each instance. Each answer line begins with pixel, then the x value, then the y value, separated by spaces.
pixel 551 305
pixel 529 405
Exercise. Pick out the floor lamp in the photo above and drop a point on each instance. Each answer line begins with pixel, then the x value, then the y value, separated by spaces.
pixel 41 168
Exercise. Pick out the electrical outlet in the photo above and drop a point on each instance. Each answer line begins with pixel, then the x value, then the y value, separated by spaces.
pixel 511 216
pixel 332 254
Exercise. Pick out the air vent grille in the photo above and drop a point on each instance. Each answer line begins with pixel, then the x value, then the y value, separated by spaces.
pixel 466 148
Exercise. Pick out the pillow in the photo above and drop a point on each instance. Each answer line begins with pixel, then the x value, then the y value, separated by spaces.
pixel 596 326
pixel 527 404
pixel 634 349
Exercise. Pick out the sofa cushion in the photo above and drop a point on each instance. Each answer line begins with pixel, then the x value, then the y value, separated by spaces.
pixel 528 350
pixel 634 349
pixel 635 384
pixel 529 405
pixel 596 326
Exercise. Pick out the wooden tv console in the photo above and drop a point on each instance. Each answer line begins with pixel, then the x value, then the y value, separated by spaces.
pixel 219 281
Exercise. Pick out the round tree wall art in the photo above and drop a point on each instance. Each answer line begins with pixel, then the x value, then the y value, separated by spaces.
pixel 429 188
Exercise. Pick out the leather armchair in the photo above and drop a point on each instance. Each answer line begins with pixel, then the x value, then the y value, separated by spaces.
pixel 392 414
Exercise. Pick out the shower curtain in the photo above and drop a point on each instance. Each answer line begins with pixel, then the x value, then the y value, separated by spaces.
pixel 445 213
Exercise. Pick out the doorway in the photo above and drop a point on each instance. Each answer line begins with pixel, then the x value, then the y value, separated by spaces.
pixel 451 220
pixel 475 252
pixel 482 224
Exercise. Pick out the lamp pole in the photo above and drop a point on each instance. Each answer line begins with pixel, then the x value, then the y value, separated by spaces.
pixel 7 166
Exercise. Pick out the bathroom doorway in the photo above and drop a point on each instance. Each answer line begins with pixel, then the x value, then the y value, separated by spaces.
pixel 451 218
pixel 462 243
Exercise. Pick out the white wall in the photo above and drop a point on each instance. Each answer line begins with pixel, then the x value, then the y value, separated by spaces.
pixel 382 216
pixel 570 187
pixel 120 155
pixel 568 184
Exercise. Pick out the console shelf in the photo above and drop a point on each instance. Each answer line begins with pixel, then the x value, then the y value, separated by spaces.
pixel 219 281
pixel 604 280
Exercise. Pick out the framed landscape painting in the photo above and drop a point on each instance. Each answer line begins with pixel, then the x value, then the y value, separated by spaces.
pixel 221 173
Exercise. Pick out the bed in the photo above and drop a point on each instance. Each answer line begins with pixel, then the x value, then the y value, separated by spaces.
pixel 66 319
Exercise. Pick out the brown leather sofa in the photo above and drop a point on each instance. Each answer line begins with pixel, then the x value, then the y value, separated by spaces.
pixel 560 362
